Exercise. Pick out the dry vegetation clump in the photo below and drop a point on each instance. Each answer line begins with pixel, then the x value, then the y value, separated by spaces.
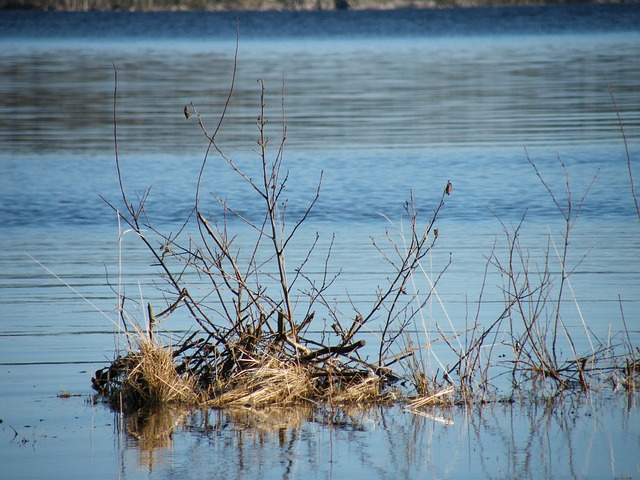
pixel 258 342
pixel 152 378
pixel 368 390
pixel 270 382
pixel 146 377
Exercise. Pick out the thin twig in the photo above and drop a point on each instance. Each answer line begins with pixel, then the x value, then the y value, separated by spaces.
pixel 626 148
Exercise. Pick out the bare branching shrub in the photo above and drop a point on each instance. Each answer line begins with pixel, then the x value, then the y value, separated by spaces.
pixel 255 343
pixel 544 357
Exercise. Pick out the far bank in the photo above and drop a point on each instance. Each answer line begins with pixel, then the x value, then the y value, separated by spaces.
pixel 264 5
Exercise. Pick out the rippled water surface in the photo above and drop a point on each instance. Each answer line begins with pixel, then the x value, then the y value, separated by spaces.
pixel 381 104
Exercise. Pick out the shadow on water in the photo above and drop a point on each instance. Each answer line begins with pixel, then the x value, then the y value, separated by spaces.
pixel 577 437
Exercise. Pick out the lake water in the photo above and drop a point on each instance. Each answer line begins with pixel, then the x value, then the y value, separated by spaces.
pixel 383 103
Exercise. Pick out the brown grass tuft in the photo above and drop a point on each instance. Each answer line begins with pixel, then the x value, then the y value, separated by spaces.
pixel 151 378
pixel 274 382
pixel 366 391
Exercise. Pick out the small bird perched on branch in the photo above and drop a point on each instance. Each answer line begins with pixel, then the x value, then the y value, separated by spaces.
pixel 448 188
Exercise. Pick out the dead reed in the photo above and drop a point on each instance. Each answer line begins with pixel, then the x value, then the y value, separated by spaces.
pixel 269 382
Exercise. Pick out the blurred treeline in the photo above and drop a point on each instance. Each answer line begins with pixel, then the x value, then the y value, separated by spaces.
pixel 151 5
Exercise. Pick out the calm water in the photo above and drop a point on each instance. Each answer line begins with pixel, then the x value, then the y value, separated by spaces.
pixel 383 103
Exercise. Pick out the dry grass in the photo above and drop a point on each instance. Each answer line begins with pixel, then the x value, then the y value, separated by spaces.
pixel 441 397
pixel 151 378
pixel 272 382
pixel 363 392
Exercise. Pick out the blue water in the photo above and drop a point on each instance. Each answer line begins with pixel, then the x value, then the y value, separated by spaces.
pixel 381 104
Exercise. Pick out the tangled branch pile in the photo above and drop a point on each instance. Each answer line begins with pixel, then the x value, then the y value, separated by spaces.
pixel 252 346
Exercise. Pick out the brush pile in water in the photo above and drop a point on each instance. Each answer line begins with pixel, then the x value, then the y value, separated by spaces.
pixel 251 370
pixel 258 342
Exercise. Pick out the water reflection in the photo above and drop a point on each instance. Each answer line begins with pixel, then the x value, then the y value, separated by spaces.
pixel 153 428
pixel 575 437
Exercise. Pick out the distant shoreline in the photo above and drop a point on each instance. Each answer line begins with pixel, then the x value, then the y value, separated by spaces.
pixel 272 5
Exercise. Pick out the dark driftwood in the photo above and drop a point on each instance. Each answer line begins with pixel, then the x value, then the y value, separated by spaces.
pixel 338 350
